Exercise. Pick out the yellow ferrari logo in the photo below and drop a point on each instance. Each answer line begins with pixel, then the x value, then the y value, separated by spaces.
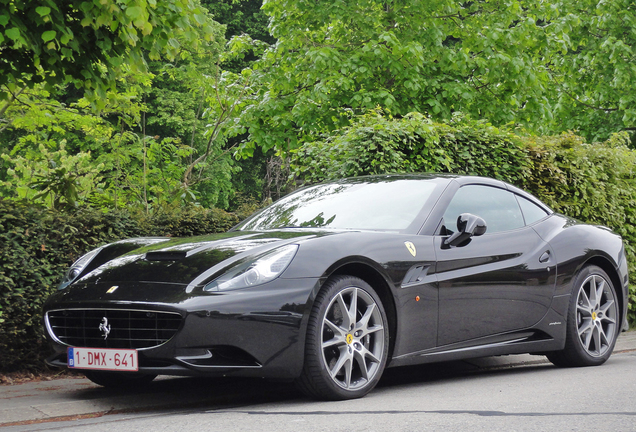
pixel 594 315
pixel 349 338
pixel 112 289
pixel 411 247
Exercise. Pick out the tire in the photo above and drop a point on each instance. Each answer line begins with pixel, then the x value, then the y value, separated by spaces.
pixel 592 322
pixel 119 380
pixel 347 341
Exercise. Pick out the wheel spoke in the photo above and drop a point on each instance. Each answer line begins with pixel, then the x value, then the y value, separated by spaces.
pixel 599 288
pixel 345 365
pixel 584 298
pixel 337 341
pixel 603 340
pixel 339 335
pixel 605 307
pixel 596 337
pixel 342 360
pixel 363 324
pixel 364 321
pixel 348 372
pixel 346 319
pixel 363 357
pixel 374 329
pixel 584 310
pixel 362 364
pixel 334 328
pixel 586 337
pixel 586 326
pixel 608 320
pixel 353 308
pixel 368 354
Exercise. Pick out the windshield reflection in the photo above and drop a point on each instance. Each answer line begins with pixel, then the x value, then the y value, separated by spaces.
pixel 387 205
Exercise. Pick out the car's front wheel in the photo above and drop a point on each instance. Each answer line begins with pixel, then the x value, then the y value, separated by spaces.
pixel 347 341
pixel 592 323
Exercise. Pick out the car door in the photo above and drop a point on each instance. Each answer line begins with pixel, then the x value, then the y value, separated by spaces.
pixel 499 282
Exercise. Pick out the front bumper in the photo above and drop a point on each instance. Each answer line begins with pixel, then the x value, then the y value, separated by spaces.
pixel 257 332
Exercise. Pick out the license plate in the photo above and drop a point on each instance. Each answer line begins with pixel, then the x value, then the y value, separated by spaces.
pixel 103 359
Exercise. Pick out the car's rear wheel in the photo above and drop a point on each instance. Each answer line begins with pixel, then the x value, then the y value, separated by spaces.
pixel 592 323
pixel 118 380
pixel 347 341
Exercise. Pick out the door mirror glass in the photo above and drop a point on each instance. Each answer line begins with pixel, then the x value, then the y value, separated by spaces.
pixel 468 225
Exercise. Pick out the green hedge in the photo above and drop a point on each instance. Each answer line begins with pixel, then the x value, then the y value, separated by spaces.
pixel 375 144
pixel 38 245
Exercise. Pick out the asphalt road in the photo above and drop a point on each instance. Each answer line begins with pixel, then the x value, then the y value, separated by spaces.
pixel 513 393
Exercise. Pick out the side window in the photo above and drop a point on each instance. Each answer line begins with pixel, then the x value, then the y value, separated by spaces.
pixel 498 207
pixel 531 211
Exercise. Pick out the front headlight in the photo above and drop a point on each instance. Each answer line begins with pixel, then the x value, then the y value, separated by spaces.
pixel 77 268
pixel 263 269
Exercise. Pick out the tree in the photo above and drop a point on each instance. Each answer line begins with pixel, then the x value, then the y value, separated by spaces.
pixel 65 155
pixel 487 59
pixel 595 80
pixel 240 17
pixel 88 42
pixel 149 130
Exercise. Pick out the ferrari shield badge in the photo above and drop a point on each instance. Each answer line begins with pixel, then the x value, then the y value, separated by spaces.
pixel 112 289
pixel 411 247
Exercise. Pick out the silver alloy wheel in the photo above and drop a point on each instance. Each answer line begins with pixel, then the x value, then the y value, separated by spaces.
pixel 596 315
pixel 352 338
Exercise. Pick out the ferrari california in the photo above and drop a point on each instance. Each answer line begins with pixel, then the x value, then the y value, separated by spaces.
pixel 335 282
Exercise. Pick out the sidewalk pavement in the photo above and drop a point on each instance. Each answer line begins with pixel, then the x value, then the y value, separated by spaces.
pixel 77 397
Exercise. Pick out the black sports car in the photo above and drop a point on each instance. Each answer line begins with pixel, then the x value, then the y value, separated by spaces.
pixel 335 282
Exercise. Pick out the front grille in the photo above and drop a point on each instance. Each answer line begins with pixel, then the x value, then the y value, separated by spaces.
pixel 126 328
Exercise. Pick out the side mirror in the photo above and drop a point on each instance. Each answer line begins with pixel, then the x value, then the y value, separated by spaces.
pixel 468 225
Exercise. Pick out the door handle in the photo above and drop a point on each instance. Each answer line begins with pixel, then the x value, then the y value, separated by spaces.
pixel 545 257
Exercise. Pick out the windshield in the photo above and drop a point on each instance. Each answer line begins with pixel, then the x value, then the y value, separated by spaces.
pixel 385 204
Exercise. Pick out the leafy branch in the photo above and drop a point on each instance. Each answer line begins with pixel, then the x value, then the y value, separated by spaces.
pixel 225 102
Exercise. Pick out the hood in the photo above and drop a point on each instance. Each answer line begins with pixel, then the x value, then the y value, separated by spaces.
pixel 189 261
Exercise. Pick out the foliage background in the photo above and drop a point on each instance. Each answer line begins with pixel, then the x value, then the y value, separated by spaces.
pixel 37 246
